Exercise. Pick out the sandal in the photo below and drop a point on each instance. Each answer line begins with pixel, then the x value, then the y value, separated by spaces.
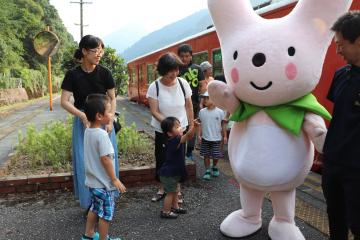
pixel 158 197
pixel 170 215
pixel 179 210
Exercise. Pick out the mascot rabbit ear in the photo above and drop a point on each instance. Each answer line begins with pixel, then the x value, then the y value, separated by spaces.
pixel 230 15
pixel 316 18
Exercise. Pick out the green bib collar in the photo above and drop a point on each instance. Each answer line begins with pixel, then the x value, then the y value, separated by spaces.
pixel 289 115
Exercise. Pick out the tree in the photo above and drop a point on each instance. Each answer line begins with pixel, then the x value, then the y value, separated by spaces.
pixel 117 66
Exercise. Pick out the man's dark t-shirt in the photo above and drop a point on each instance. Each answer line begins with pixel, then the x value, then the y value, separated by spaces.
pixel 174 164
pixel 193 74
pixel 81 83
pixel 341 146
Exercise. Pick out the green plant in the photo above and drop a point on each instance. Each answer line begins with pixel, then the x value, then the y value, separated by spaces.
pixel 130 140
pixel 49 147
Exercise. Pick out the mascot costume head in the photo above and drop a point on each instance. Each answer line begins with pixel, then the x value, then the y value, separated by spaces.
pixel 271 67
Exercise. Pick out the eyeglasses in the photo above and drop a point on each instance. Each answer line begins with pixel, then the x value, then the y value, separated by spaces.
pixel 97 51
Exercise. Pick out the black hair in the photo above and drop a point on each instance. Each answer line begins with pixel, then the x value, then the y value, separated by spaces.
pixel 87 42
pixel 348 25
pixel 185 48
pixel 168 62
pixel 168 124
pixel 95 103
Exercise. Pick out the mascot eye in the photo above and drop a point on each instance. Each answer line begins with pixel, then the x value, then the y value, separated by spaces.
pixel 291 51
pixel 235 55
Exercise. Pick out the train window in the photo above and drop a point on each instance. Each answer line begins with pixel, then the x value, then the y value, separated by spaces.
pixel 217 62
pixel 200 57
pixel 150 73
pixel 133 75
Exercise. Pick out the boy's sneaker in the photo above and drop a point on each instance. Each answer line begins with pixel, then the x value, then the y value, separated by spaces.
pixel 215 172
pixel 96 236
pixel 207 175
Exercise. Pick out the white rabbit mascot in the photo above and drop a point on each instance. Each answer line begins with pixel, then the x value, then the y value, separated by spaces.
pixel 271 67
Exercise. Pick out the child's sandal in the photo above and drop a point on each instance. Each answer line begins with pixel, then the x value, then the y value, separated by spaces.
pixel 179 210
pixel 158 197
pixel 170 215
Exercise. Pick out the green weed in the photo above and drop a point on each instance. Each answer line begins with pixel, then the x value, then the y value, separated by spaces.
pixel 50 146
pixel 130 140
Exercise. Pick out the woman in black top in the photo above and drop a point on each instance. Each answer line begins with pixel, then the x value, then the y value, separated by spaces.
pixel 89 77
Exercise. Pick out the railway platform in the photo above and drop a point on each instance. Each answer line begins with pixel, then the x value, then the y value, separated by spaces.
pixel 57 215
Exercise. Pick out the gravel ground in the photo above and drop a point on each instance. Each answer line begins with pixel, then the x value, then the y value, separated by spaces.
pixel 57 215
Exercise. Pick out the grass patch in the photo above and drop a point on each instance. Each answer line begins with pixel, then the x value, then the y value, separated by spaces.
pixel 49 149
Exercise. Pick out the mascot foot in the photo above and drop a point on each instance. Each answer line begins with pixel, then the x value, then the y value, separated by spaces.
pixel 236 226
pixel 284 231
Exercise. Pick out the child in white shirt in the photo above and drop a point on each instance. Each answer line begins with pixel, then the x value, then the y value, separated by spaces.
pixel 211 134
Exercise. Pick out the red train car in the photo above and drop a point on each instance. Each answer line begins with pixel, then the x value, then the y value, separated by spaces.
pixel 206 46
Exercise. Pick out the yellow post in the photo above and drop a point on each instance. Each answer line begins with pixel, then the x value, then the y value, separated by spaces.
pixel 50 83
pixel 49 77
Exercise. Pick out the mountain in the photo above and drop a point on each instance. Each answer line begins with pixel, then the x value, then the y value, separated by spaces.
pixel 171 33
pixel 177 31
pixel 125 37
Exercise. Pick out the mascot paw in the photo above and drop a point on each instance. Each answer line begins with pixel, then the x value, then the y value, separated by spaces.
pixel 284 231
pixel 236 226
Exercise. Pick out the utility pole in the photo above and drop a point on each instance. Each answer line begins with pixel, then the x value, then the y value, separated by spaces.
pixel 81 17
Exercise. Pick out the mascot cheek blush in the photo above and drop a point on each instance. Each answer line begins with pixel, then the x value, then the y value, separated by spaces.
pixel 271 67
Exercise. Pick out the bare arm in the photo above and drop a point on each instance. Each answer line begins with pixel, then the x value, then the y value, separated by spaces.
pixel 190 133
pixel 111 94
pixel 154 109
pixel 199 134
pixel 106 162
pixel 69 107
pixel 189 112
pixel 224 131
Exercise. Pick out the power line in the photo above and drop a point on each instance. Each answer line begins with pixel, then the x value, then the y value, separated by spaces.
pixel 81 17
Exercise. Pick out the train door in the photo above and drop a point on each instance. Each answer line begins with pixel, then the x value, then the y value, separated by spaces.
pixel 138 83
pixel 142 85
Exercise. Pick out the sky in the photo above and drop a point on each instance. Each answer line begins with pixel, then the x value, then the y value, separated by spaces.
pixel 107 16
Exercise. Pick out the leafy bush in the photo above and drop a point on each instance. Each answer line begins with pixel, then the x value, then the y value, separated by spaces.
pixel 130 140
pixel 6 81
pixel 49 147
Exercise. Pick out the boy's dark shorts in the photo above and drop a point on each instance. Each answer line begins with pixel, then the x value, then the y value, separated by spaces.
pixel 170 183
pixel 103 202
pixel 211 149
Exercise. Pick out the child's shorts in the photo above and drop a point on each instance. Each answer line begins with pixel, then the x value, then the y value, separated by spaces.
pixel 103 202
pixel 211 149
pixel 170 183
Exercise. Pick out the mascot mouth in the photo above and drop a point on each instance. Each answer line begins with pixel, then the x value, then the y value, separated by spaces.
pixel 261 88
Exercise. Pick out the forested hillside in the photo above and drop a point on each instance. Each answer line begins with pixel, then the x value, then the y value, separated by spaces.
pixel 20 21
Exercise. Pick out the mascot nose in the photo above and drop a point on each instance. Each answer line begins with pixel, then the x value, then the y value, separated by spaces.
pixel 259 59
